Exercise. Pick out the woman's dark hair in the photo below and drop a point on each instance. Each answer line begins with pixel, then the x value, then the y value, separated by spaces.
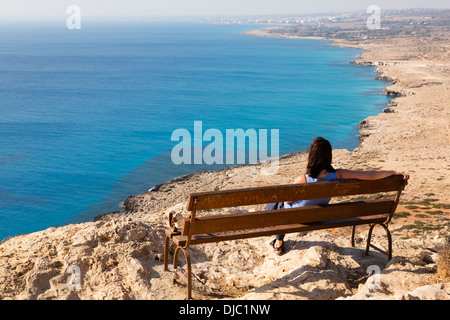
pixel 319 157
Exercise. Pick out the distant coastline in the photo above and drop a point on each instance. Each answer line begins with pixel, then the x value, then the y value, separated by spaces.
pixel 130 203
pixel 388 140
pixel 279 78
pixel 120 254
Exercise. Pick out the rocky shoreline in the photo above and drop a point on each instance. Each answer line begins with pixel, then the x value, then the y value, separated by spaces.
pixel 119 255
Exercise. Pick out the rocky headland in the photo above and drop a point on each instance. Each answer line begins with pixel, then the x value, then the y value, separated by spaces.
pixel 119 255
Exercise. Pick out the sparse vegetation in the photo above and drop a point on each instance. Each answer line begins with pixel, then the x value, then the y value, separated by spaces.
pixel 401 214
pixel 421 226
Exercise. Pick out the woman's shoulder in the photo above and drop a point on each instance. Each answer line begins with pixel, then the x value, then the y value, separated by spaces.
pixel 301 179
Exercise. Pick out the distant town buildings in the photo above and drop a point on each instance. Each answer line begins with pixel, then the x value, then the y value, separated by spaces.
pixel 318 19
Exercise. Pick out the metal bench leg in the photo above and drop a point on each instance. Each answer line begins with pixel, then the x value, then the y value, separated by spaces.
pixel 353 236
pixel 385 227
pixel 187 278
pixel 388 233
pixel 175 260
pixel 166 254
pixel 368 238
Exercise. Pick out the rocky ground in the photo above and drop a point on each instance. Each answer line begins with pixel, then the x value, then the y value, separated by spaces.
pixel 120 256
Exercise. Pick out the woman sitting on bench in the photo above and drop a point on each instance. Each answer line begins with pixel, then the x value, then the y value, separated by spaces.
pixel 319 168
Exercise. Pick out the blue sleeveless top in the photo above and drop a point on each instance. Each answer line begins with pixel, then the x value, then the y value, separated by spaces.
pixel 332 176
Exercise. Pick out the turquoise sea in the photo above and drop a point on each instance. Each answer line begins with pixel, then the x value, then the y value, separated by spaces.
pixel 86 116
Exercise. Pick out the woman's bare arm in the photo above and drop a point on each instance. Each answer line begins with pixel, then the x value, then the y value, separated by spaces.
pixel 344 174
pixel 300 179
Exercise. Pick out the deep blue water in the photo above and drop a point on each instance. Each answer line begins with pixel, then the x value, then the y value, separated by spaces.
pixel 86 116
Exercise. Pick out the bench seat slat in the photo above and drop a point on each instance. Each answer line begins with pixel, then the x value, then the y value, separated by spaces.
pixel 302 215
pixel 291 192
pixel 283 229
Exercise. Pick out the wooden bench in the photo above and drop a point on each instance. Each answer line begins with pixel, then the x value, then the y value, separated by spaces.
pixel 231 226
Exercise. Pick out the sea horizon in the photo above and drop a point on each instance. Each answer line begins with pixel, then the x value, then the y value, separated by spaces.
pixel 88 113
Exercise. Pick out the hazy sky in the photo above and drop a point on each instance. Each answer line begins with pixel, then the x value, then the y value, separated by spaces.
pixel 43 9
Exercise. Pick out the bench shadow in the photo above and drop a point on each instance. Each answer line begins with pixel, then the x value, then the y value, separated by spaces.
pixel 307 274
pixel 357 253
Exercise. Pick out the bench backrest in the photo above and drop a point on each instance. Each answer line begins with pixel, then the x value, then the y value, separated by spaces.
pixel 290 192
